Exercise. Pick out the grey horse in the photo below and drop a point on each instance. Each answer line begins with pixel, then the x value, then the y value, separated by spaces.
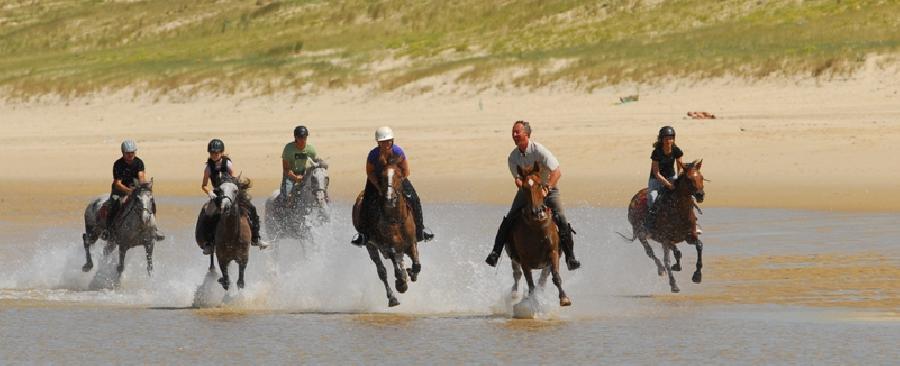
pixel 305 207
pixel 135 225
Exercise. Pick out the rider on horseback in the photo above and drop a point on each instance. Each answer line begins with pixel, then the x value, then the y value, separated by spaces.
pixel 294 158
pixel 369 210
pixel 217 167
pixel 662 171
pixel 526 153
pixel 127 171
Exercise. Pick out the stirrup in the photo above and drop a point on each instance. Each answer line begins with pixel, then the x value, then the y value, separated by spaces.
pixel 260 243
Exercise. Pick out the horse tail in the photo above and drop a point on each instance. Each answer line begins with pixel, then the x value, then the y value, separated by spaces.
pixel 631 240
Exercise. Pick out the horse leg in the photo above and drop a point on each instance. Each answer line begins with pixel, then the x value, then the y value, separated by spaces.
pixel 649 250
pixel 242 265
pixel 542 281
pixel 399 273
pixel 697 277
pixel 416 265
pixel 529 280
pixel 517 275
pixel 212 266
pixel 223 267
pixel 88 240
pixel 148 247
pixel 121 267
pixel 557 280
pixel 672 285
pixel 677 266
pixel 382 274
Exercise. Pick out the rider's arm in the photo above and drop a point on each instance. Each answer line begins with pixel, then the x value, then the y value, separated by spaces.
pixel 554 178
pixel 288 172
pixel 404 167
pixel 118 184
pixel 141 178
pixel 203 186
pixel 370 173
pixel 654 170
pixel 679 166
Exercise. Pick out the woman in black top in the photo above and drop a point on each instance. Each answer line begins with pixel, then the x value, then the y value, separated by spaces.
pixel 662 169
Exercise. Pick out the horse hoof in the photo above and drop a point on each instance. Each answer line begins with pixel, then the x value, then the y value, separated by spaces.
pixel 675 290
pixel 87 267
pixel 412 274
pixel 120 268
pixel 224 283
pixel 401 286
pixel 676 267
pixel 564 301
pixel 240 284
pixel 393 302
pixel 697 277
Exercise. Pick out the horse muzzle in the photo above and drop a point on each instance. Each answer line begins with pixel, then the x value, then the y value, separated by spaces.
pixel 699 196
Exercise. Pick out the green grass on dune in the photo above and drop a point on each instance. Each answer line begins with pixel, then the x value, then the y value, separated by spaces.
pixel 78 47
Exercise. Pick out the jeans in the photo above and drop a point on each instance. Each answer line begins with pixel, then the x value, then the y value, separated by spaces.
pixel 654 187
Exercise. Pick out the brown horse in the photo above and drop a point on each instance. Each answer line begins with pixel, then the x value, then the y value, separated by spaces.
pixel 232 234
pixel 675 221
pixel 394 232
pixel 534 236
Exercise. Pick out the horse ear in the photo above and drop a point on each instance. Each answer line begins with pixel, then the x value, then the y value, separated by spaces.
pixel 699 164
pixel 151 184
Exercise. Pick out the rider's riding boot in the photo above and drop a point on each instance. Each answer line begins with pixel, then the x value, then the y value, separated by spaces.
pixel 499 241
pixel 359 239
pixel 423 234
pixel 110 214
pixel 254 229
pixel 567 242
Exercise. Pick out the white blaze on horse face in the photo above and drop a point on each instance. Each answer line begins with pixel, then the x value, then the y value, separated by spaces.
pixel 390 184
pixel 147 204
pixel 530 182
pixel 229 195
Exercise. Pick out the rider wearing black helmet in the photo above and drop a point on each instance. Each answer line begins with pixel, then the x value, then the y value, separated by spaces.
pixel 217 167
pixel 294 158
pixel 662 170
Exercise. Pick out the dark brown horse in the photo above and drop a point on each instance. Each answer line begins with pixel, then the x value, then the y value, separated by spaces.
pixel 232 234
pixel 394 229
pixel 534 236
pixel 675 221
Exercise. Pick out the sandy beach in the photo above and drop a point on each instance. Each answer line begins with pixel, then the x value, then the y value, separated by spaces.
pixel 798 143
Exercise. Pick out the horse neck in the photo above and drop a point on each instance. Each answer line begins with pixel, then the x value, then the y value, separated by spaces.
pixel 681 197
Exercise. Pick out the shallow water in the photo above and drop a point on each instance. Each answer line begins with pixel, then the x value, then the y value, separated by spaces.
pixel 322 302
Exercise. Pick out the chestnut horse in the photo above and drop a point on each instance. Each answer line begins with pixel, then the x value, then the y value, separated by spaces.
pixel 675 221
pixel 232 233
pixel 394 232
pixel 534 237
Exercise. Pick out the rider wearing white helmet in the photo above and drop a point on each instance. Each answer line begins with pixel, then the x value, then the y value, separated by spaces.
pixel 385 138
pixel 127 171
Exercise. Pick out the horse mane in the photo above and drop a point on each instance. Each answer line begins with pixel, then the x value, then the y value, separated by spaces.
pixel 322 163
pixel 244 185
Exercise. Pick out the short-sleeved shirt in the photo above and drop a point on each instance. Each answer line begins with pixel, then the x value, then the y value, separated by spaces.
pixel 374 153
pixel 298 158
pixel 666 162
pixel 535 152
pixel 126 173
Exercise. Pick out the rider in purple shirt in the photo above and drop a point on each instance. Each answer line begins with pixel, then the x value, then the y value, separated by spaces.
pixel 369 209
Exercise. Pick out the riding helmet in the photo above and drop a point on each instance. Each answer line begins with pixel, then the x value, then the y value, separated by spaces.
pixel 301 131
pixel 215 145
pixel 384 133
pixel 667 131
pixel 129 146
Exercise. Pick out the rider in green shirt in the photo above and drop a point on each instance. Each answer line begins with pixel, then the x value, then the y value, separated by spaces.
pixel 294 158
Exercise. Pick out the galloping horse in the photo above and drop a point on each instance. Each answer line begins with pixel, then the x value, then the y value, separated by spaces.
pixel 675 221
pixel 135 225
pixel 534 237
pixel 305 207
pixel 232 233
pixel 394 229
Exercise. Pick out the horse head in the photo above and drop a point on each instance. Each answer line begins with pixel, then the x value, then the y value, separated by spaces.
pixel 535 193
pixel 227 195
pixel 391 179
pixel 693 180
pixel 318 181
pixel 142 198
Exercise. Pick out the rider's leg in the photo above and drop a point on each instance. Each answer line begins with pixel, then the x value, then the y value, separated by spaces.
pixel 254 225
pixel 410 192
pixel 566 240
pixel 654 188
pixel 503 231
pixel 287 185
pixel 367 212
pixel 111 211
pixel 159 236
